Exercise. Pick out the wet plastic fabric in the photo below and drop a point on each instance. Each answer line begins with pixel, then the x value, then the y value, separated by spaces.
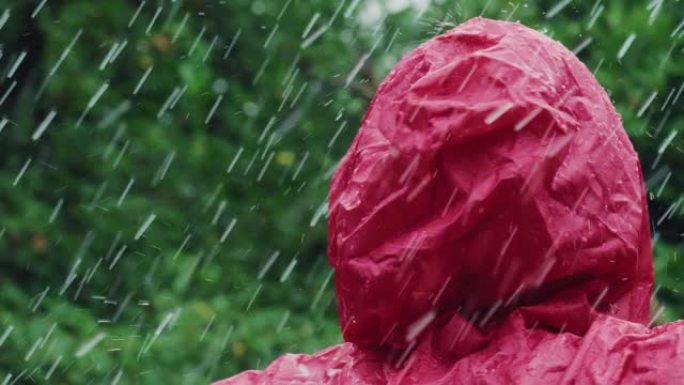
pixel 489 225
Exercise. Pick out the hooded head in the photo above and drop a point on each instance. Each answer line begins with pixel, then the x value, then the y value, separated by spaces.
pixel 491 172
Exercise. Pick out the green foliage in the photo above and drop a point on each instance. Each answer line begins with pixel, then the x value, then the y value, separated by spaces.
pixel 184 301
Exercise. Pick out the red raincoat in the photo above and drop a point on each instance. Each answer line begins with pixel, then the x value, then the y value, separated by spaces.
pixel 489 226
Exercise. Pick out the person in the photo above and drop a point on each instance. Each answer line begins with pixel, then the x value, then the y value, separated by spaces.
pixel 489 225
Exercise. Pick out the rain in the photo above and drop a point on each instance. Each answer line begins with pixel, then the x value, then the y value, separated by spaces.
pixel 165 169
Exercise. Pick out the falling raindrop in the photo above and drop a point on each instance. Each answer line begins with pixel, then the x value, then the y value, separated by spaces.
pixel 146 224
pixel 21 172
pixel 93 100
pixel 647 103
pixel 557 8
pixel 154 19
pixel 43 125
pixel 136 14
pixel 89 345
pixel 626 45
pixel 142 80
pixel 4 17
pixel 16 64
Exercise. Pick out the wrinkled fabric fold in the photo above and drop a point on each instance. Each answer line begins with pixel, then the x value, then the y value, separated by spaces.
pixel 489 225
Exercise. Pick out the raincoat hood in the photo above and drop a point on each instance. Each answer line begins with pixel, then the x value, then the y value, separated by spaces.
pixel 490 173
